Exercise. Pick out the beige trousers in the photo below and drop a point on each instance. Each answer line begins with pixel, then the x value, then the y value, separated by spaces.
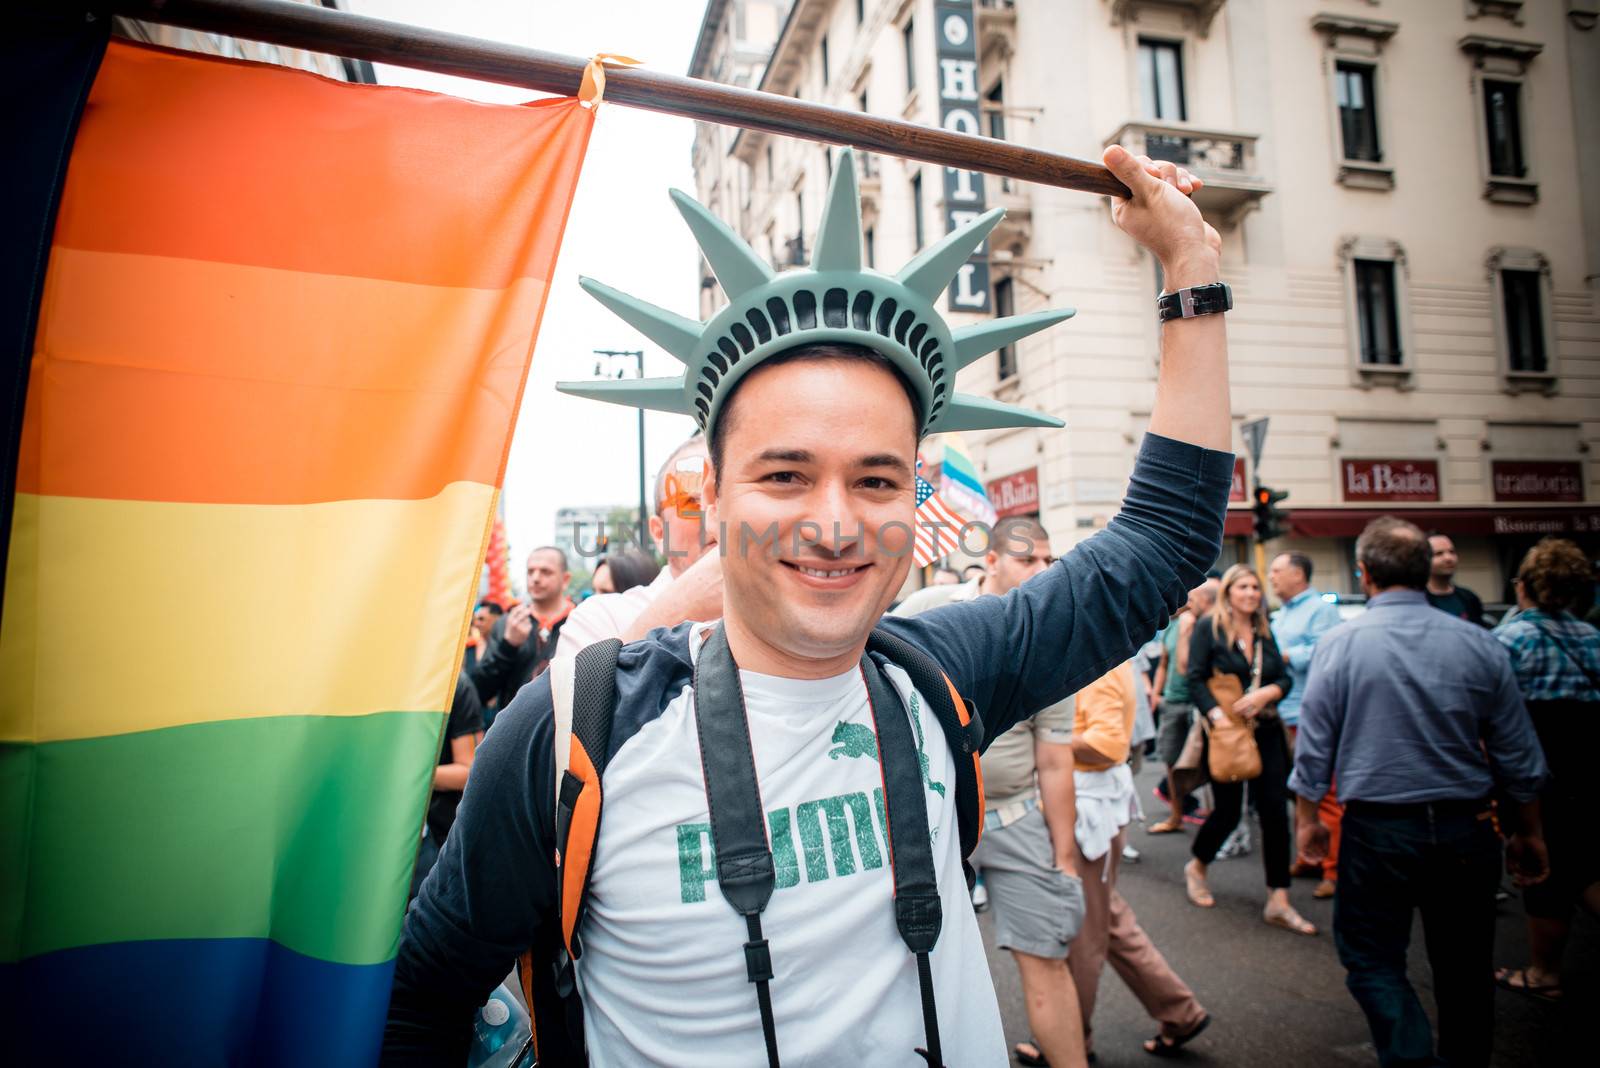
pixel 1111 932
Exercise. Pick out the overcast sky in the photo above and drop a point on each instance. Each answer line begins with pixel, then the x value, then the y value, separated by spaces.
pixel 623 230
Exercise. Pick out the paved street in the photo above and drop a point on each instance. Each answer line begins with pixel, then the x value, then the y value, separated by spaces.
pixel 1277 998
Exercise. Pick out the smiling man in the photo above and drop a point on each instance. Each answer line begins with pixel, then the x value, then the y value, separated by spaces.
pixel 815 387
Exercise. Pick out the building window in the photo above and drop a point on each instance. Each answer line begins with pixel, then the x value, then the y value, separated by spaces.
pixel 870 239
pixel 862 100
pixel 1378 312
pixel 908 38
pixel 1520 284
pixel 1161 80
pixel 1524 322
pixel 1358 112
pixel 1502 106
pixel 996 101
pixel 824 58
pixel 1499 77
pixel 1004 305
pixel 1354 64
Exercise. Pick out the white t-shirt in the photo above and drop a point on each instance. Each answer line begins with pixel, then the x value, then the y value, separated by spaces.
pixel 663 973
pixel 606 615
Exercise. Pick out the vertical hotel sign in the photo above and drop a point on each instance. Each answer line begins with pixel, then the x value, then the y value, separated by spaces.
pixel 957 41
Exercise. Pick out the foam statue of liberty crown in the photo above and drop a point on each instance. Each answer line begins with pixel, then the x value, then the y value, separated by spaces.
pixel 836 300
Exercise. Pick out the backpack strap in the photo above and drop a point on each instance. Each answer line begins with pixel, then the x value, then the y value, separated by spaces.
pixel 918 913
pixel 745 872
pixel 962 725
pixel 583 694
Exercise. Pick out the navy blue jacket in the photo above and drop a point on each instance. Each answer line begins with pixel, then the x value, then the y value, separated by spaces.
pixel 492 892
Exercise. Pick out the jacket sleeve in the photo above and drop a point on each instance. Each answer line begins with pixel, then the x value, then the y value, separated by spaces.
pixel 1202 651
pixel 1064 628
pixel 496 662
pixel 489 897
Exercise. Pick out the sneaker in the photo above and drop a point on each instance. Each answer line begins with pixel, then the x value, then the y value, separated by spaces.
pixel 1237 844
pixel 1130 854
pixel 980 896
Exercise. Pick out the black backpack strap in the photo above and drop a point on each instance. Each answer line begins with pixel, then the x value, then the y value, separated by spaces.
pixel 918 913
pixel 962 725
pixel 745 870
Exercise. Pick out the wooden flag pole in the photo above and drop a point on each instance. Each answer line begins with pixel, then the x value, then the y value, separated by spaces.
pixel 340 33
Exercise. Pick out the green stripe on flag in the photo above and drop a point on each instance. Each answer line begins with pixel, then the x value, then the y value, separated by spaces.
pixel 302 829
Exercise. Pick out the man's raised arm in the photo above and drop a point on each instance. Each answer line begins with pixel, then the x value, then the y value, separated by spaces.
pixel 1065 628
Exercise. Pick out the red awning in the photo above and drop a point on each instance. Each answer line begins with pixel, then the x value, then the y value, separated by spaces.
pixel 1349 522
pixel 1239 523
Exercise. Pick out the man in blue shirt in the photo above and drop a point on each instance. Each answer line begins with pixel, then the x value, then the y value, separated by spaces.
pixel 1422 716
pixel 1303 618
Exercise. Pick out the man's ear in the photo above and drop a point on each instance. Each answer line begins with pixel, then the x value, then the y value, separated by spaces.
pixel 991 560
pixel 658 532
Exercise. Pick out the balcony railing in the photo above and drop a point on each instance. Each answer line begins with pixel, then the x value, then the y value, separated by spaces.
pixel 1226 162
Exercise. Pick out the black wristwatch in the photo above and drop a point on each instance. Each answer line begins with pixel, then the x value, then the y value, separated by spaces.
pixel 1200 300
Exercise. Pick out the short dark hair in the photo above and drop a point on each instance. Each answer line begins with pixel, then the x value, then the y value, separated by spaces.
pixel 1000 538
pixel 493 607
pixel 1394 552
pixel 558 550
pixel 1300 560
pixel 630 568
pixel 821 350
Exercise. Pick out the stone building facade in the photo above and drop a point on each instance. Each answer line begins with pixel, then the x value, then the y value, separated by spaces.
pixel 1410 217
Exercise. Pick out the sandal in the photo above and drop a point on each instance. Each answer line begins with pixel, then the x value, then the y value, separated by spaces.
pixel 1289 920
pixel 1165 827
pixel 1517 979
pixel 1035 1059
pixel 1162 1046
pixel 1194 884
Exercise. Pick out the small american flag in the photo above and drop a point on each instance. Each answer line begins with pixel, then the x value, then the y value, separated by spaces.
pixel 937 526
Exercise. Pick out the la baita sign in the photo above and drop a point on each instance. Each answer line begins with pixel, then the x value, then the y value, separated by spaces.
pixel 1390 480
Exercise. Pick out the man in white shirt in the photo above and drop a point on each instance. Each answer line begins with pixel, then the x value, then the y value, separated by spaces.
pixel 815 388
pixel 689 587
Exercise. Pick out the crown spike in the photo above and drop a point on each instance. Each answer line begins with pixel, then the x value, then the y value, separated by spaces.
pixel 839 233
pixel 735 263
pixel 935 266
pixel 656 394
pixel 668 329
pixel 968 412
pixel 981 338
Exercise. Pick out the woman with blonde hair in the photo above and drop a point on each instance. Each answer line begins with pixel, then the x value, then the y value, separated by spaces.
pixel 1556 658
pixel 1234 639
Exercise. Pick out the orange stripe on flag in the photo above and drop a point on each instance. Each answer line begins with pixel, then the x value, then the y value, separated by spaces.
pixel 189 380
pixel 188 156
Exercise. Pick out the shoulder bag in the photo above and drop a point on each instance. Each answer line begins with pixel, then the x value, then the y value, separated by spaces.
pixel 1232 752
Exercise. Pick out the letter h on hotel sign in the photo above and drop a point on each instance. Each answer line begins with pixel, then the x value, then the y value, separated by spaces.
pixel 957 41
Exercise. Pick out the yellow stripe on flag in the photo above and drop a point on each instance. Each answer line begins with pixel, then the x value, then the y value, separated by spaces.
pixel 163 614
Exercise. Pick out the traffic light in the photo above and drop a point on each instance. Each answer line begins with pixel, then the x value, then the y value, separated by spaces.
pixel 1271 521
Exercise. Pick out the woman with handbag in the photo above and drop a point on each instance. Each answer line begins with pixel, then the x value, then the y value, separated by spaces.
pixel 1236 678
pixel 1556 658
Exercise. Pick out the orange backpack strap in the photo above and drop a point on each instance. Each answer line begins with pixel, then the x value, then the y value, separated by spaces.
pixel 963 727
pixel 583 693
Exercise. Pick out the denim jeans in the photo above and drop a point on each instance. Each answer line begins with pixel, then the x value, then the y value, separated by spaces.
pixel 1442 859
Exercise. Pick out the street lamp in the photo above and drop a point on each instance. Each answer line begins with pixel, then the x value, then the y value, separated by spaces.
pixel 638 356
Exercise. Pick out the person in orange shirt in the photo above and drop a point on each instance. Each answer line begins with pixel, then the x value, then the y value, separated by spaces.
pixel 1102 725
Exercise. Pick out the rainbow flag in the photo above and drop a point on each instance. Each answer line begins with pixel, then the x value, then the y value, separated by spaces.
pixel 283 337
pixel 959 483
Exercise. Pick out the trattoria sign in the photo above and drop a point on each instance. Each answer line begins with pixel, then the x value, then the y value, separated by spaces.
pixel 1016 494
pixel 1236 492
pixel 1537 480
pixel 956 40
pixel 1389 480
